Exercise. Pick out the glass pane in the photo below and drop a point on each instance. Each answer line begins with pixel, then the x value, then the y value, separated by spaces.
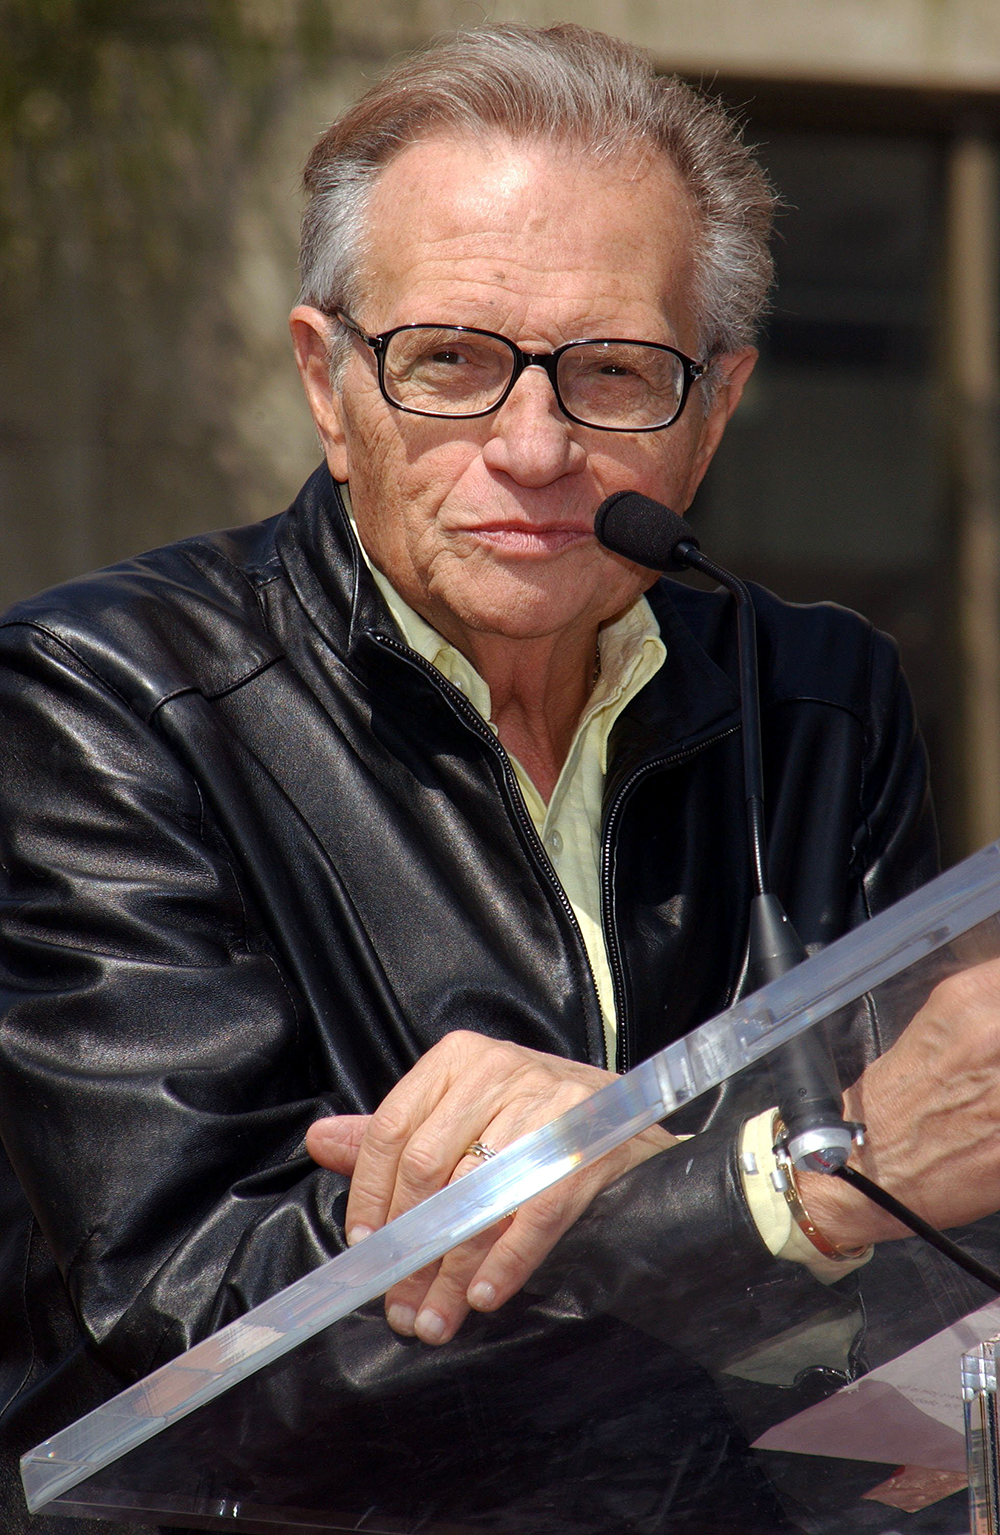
pixel 636 1388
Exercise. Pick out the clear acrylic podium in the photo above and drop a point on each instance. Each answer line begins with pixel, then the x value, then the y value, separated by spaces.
pixel 637 1388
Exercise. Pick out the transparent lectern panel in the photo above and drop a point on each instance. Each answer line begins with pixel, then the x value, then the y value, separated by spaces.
pixel 661 1374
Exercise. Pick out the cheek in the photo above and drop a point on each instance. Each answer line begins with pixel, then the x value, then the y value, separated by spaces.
pixel 623 583
pixel 658 464
pixel 369 441
pixel 400 480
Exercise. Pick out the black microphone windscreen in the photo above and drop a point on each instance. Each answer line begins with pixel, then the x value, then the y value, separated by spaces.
pixel 642 530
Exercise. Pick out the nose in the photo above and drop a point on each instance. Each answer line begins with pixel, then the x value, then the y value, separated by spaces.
pixel 532 441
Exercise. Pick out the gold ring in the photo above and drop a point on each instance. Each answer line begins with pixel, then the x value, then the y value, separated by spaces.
pixel 484 1153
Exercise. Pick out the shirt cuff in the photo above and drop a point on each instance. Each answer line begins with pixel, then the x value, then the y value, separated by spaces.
pixel 780 1234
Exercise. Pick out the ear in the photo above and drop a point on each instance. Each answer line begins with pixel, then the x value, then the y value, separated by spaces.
pixel 310 330
pixel 731 373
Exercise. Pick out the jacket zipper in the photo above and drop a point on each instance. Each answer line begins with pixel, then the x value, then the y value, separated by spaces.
pixel 622 1010
pixel 516 803
pixel 515 798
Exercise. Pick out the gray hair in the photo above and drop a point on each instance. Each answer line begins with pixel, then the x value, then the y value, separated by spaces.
pixel 569 85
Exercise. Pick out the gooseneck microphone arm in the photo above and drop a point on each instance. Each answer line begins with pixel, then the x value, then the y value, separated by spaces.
pixel 805 1077
pixel 687 552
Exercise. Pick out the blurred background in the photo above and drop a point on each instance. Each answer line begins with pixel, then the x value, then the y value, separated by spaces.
pixel 150 152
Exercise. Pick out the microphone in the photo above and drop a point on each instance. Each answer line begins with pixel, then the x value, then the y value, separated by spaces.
pixel 644 531
pixel 806 1083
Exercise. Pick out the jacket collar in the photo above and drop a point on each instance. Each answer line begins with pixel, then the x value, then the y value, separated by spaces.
pixel 691 700
pixel 324 564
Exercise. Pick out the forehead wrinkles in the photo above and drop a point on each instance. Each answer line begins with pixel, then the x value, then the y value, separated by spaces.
pixel 484 217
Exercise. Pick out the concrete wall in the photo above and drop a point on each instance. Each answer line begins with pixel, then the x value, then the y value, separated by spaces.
pixel 941 42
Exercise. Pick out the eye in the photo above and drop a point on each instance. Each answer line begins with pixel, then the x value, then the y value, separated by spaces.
pixel 451 355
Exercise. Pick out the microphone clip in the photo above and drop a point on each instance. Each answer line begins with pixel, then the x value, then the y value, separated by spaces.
pixel 818 1149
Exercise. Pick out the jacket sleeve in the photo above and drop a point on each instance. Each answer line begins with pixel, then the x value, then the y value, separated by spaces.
pixel 155 1085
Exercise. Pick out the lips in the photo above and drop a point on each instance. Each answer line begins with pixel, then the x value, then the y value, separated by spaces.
pixel 530 538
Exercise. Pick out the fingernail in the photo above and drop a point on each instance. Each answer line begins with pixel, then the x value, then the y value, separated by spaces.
pixel 482 1296
pixel 430 1327
pixel 401 1319
pixel 358 1234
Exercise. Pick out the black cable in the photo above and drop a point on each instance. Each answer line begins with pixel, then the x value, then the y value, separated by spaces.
pixel 915 1222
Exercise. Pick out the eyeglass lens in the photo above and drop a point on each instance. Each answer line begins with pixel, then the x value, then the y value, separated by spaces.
pixel 603 383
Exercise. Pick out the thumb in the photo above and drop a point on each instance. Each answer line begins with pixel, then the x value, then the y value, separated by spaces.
pixel 335 1142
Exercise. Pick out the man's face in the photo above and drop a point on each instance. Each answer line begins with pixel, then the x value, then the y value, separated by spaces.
pixel 486 525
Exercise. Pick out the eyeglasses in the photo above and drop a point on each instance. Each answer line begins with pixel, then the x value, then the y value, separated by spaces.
pixel 458 371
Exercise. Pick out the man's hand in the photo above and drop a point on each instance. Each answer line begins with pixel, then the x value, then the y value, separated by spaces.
pixel 467 1088
pixel 931 1105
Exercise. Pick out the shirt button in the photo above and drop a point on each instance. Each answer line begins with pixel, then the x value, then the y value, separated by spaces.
pixel 555 843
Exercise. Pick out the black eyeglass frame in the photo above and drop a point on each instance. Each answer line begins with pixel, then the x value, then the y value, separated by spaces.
pixel 548 361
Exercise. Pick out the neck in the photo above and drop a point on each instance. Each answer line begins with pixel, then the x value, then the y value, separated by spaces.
pixel 539 689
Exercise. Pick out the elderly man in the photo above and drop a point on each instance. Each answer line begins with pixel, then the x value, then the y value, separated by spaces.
pixel 406 817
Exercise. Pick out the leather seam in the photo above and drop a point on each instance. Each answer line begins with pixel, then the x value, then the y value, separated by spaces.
pixel 224 857
pixel 260 587
pixel 26 1269
pixel 63 644
pixel 294 1002
pixel 96 675
pixel 210 555
pixel 259 664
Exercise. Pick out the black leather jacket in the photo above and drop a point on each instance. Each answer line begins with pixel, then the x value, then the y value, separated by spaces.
pixel 257 856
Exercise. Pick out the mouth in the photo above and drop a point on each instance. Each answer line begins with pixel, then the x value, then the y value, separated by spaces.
pixel 529 538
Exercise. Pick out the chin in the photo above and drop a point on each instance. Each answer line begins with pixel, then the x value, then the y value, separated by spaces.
pixel 534 601
pixel 524 617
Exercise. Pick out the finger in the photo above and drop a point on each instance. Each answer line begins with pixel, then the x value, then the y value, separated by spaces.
pixel 529 1238
pixel 412 1146
pixel 334 1142
pixel 439 1307
pixel 433 1327
pixel 421 1167
pixel 437 1153
pixel 390 1128
pixel 403 1301
pixel 498 1266
pixel 538 1225
pixel 425 1124
pixel 431 1303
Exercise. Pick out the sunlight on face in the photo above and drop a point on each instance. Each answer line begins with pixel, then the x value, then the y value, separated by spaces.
pixel 486 525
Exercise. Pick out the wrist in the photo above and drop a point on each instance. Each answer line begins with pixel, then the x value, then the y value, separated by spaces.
pixel 783 1221
pixel 846 1216
pixel 821 1234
